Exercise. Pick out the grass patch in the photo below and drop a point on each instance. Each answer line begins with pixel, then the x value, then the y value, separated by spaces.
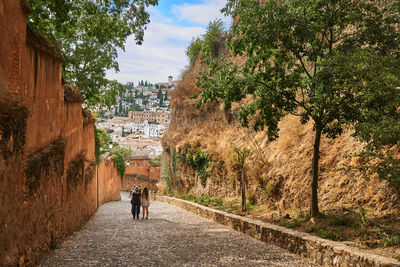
pixel 321 231
pixel 340 220
pixel 188 197
pixel 314 229
pixel 391 241
pixel 335 235
pixel 203 200
pixel 251 207
pixel 290 223
pixel 207 201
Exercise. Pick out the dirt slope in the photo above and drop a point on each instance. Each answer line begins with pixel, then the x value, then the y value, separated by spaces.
pixel 279 171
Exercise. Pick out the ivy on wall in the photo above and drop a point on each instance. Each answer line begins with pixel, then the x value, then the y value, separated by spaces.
pixel 75 171
pixel 12 128
pixel 119 162
pixel 198 160
pixel 89 172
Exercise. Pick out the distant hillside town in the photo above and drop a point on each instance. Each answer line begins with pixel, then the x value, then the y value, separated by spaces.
pixel 140 117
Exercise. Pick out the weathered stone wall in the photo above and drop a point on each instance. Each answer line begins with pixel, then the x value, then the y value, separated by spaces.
pixel 48 181
pixel 138 173
pixel 132 180
pixel 321 251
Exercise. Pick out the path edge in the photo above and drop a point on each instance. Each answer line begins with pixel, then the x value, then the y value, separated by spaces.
pixel 320 251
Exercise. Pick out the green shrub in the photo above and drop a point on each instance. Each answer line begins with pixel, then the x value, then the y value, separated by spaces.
pixel 194 49
pixel 212 39
pixel 209 43
pixel 198 160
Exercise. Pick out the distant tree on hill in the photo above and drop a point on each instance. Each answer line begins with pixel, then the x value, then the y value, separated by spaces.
pixel 159 94
pixel 145 100
pixel 130 85
pixel 161 102
pixel 331 62
pixel 157 86
pixel 166 96
pixel 120 106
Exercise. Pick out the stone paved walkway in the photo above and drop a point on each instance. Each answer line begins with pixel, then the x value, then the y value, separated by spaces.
pixel 171 237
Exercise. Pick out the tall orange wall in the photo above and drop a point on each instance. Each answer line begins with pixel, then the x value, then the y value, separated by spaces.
pixel 109 182
pixel 32 216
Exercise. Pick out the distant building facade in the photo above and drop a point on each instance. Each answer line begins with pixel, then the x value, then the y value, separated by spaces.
pixel 138 117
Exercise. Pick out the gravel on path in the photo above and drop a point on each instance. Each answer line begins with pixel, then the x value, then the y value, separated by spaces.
pixel 170 237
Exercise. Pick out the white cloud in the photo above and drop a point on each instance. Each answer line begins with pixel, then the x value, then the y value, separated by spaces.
pixel 202 13
pixel 165 41
pixel 160 32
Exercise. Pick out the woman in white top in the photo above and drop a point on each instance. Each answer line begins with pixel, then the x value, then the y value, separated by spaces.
pixel 145 201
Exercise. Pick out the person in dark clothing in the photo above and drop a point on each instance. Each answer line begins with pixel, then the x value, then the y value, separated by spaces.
pixel 136 203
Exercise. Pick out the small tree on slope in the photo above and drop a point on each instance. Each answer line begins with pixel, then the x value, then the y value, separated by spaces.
pixel 334 62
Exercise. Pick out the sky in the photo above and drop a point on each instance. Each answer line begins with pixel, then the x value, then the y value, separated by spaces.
pixel 173 25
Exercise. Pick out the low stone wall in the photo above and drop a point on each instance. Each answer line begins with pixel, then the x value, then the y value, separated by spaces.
pixel 320 251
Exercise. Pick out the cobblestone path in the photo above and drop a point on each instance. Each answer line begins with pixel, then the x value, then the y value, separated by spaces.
pixel 171 237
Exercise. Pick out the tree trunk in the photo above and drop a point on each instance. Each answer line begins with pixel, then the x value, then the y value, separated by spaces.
pixel 243 187
pixel 314 211
pixel 171 170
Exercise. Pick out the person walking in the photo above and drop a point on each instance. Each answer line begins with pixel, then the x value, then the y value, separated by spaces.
pixel 145 200
pixel 135 201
